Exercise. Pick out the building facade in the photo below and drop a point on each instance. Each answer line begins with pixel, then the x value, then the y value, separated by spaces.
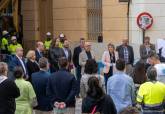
pixel 111 19
pixel 74 18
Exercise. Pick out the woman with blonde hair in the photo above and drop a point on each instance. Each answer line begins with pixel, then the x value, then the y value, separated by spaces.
pixel 109 58
pixel 32 65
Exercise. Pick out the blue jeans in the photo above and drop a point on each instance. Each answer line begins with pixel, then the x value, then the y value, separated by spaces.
pixel 107 75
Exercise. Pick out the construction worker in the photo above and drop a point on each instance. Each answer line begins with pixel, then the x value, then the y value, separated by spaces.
pixel 4 42
pixel 62 38
pixel 14 45
pixel 47 41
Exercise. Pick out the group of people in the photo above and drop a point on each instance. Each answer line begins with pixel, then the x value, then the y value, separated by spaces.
pixel 44 81
pixel 9 43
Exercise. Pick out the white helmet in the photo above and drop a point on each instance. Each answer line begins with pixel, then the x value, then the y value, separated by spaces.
pixel 4 32
pixel 13 38
pixel 61 35
pixel 48 34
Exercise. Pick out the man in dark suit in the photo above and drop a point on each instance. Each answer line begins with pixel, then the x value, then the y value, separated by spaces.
pixel 39 82
pixel 18 60
pixel 76 54
pixel 39 50
pixel 126 52
pixel 62 86
pixel 146 49
pixel 68 53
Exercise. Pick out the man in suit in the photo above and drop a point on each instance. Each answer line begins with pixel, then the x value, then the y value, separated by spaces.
pixel 62 87
pixel 39 82
pixel 18 60
pixel 85 55
pixel 39 50
pixel 146 49
pixel 126 53
pixel 76 53
pixel 67 51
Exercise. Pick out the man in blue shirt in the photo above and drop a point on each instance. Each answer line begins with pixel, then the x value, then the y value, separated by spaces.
pixel 121 87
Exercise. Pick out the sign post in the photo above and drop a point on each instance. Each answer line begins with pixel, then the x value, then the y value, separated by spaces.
pixel 144 21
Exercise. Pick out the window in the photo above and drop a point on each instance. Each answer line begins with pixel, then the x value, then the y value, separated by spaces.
pixel 94 11
pixel 123 0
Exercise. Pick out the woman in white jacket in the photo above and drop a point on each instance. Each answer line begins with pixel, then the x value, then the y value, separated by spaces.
pixel 109 58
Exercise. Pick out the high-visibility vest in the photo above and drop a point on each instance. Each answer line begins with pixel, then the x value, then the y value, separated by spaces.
pixel 60 45
pixel 151 93
pixel 47 44
pixel 4 43
pixel 12 48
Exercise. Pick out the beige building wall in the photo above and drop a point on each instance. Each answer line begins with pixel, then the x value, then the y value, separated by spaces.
pixel 114 21
pixel 70 17
pixel 30 23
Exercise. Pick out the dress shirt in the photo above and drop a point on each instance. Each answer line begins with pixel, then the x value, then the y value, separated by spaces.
pixel 126 55
pixel 121 88
pixel 66 52
pixel 22 63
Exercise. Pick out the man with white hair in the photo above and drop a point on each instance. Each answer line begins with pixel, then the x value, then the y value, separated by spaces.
pixel 18 60
pixel 14 45
pixel 8 91
pixel 85 55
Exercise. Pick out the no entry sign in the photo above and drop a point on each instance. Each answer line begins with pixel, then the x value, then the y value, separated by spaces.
pixel 144 20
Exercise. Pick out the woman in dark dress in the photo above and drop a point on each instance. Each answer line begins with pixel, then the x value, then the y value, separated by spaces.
pixel 8 91
pixel 54 53
pixel 32 65
pixel 96 100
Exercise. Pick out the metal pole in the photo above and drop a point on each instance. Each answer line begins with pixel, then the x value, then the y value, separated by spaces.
pixel 143 34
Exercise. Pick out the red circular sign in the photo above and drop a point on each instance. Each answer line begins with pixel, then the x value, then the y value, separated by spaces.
pixel 144 20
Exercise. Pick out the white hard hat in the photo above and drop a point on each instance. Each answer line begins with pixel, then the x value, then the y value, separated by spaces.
pixel 48 34
pixel 61 35
pixel 4 32
pixel 13 38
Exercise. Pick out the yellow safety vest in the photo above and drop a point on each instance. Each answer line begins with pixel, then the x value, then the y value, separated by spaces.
pixel 60 45
pixel 47 44
pixel 151 94
pixel 12 48
pixel 3 43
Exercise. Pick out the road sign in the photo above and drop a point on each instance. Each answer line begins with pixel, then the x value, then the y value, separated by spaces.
pixel 144 20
